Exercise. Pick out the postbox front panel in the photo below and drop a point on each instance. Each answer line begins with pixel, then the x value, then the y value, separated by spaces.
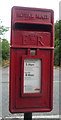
pixel 31 63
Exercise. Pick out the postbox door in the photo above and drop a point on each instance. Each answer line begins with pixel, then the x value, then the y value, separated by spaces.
pixel 32 100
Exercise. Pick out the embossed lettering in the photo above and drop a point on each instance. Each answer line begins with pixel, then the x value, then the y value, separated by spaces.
pixel 24 15
pixel 40 41
pixel 32 39
pixel 29 39
pixel 29 15
pixel 38 16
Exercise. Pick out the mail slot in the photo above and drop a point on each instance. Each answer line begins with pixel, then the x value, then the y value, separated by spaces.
pixel 31 60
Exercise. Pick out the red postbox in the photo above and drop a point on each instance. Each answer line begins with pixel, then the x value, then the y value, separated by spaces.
pixel 31 60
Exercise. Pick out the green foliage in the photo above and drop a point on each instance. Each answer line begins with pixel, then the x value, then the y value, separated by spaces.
pixel 60 30
pixel 0 52
pixel 60 42
pixel 56 56
pixel 3 29
pixel 56 44
pixel 5 49
pixel 4 45
pixel 56 30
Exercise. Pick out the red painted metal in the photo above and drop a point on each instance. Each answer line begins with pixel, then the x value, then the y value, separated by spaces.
pixel 31 29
